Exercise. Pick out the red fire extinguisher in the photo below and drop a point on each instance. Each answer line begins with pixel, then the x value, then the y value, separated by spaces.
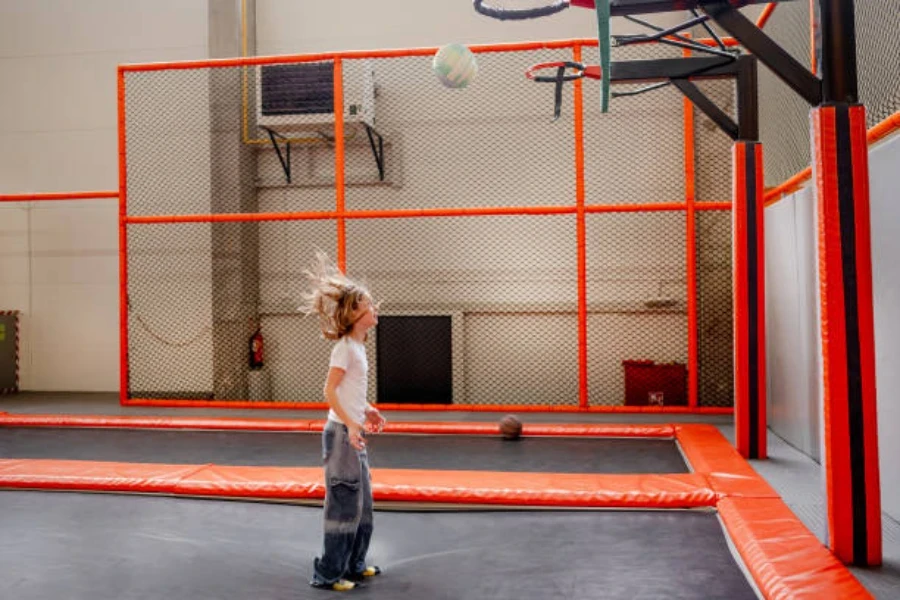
pixel 256 350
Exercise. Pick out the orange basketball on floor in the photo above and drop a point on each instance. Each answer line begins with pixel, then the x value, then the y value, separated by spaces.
pixel 510 427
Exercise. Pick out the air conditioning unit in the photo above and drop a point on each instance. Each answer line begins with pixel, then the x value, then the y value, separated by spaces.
pixel 299 97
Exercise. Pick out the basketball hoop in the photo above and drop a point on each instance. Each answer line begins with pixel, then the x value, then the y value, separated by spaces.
pixel 578 71
pixel 565 71
pixel 519 14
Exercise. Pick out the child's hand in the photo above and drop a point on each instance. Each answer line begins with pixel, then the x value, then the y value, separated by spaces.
pixel 356 437
pixel 374 420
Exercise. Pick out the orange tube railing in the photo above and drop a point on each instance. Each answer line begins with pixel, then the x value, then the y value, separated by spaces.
pixel 691 250
pixel 766 13
pixel 123 242
pixel 339 187
pixel 53 196
pixel 581 237
pixel 351 54
pixel 405 213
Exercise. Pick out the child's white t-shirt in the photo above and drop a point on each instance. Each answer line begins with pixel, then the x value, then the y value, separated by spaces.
pixel 350 355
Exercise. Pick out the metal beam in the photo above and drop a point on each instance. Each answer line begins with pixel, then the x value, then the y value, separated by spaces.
pixel 785 66
pixel 836 43
pixel 699 99
pixel 633 71
pixel 748 101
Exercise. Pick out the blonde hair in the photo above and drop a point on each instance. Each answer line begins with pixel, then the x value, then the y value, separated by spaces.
pixel 334 297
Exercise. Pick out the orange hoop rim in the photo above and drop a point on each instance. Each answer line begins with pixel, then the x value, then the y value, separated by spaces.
pixel 578 69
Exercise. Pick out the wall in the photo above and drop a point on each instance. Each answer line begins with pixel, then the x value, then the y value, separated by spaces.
pixel 792 322
pixel 289 27
pixel 792 325
pixel 884 183
pixel 59 262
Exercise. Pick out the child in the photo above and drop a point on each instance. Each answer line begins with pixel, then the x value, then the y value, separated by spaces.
pixel 346 313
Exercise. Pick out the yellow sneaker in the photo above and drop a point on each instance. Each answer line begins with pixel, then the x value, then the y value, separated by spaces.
pixel 370 571
pixel 341 585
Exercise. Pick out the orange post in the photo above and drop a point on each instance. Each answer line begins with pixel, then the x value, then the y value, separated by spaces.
pixel 123 244
pixel 339 163
pixel 581 235
pixel 690 200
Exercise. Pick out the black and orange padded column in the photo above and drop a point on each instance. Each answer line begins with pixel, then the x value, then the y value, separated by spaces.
pixel 841 176
pixel 748 266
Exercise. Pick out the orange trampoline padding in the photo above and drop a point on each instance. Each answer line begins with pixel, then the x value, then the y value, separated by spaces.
pixel 708 452
pixel 400 485
pixel 784 557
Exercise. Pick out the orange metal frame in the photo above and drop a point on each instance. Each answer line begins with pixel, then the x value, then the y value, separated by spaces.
pixel 783 557
pixel 341 214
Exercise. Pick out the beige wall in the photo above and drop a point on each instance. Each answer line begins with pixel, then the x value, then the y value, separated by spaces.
pixel 59 261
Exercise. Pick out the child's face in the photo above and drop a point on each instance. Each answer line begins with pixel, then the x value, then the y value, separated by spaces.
pixel 366 316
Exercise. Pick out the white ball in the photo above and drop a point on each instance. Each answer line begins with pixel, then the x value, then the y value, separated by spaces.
pixel 455 65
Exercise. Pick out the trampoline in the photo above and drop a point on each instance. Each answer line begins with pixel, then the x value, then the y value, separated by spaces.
pixel 472 516
pixel 93 547
pixel 554 454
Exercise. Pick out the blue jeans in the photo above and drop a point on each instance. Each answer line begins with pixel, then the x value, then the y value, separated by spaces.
pixel 348 507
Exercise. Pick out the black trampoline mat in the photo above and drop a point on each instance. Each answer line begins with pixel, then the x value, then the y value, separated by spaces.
pixel 104 546
pixel 386 451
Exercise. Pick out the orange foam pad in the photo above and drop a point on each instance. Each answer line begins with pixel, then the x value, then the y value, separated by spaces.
pixel 784 557
pixel 407 485
pixel 708 452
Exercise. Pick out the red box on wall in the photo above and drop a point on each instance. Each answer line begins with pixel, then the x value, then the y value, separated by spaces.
pixel 650 384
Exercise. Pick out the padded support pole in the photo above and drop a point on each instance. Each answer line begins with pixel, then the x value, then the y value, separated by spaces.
pixel 841 175
pixel 749 300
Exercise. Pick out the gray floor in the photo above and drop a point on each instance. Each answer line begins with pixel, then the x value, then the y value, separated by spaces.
pixel 796 477
pixel 99 546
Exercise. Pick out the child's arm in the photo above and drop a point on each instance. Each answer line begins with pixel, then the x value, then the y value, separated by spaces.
pixel 335 376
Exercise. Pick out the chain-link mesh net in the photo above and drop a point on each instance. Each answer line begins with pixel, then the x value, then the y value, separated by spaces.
pixel 713 177
pixel 877 56
pixel 784 115
pixel 634 153
pixel 508 285
pixel 715 309
pixel 488 302
pixel 637 308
